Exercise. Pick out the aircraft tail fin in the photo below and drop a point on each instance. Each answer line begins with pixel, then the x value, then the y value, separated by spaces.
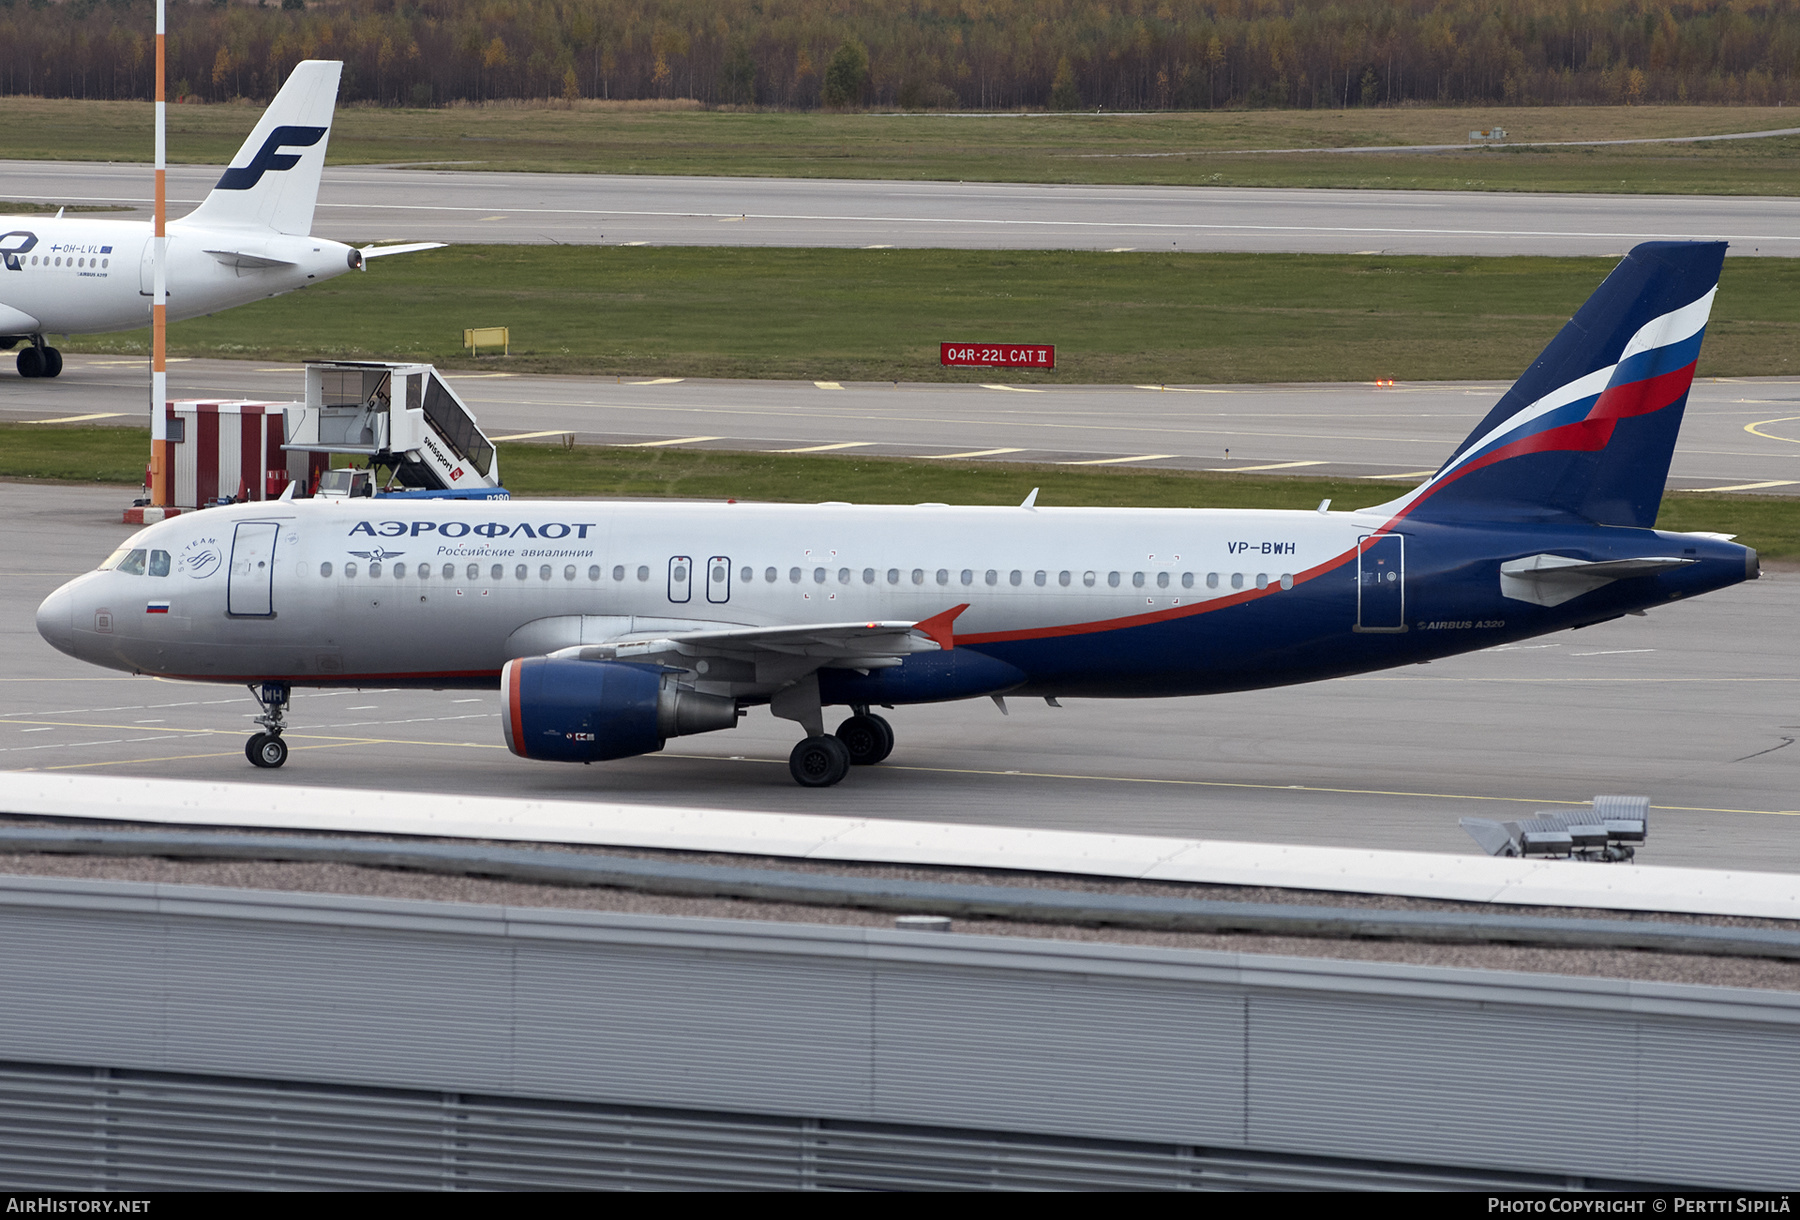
pixel 273 182
pixel 1588 431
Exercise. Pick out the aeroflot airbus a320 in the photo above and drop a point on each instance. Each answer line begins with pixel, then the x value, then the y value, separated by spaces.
pixel 611 626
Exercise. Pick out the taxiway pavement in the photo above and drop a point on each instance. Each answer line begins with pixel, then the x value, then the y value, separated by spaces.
pixel 1693 705
pixel 1739 434
pixel 383 203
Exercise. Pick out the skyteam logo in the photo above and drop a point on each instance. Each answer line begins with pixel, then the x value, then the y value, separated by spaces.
pixel 269 157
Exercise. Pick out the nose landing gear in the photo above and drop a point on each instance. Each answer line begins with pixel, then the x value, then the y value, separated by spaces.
pixel 266 749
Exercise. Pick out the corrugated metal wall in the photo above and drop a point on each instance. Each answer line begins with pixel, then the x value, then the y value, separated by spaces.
pixel 917 1039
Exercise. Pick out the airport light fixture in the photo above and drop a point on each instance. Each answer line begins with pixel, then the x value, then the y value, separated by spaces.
pixel 1610 831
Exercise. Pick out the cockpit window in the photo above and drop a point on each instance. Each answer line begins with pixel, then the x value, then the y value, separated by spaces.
pixel 159 563
pixel 133 563
pixel 112 560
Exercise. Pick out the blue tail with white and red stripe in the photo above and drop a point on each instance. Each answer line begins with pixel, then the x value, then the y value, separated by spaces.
pixel 1587 433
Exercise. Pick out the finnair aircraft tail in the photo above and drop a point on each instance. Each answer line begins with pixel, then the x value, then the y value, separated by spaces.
pixel 273 182
pixel 611 626
pixel 1587 433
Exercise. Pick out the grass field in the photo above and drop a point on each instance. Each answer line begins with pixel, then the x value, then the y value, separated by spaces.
pixel 1221 148
pixel 1771 524
pixel 879 315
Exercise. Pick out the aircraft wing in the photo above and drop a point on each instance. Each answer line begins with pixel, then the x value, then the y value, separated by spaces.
pixel 1551 580
pixel 17 322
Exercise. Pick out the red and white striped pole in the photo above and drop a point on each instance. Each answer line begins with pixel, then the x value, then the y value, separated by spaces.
pixel 160 463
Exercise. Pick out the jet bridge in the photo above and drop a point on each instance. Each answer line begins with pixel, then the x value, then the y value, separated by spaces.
pixel 402 416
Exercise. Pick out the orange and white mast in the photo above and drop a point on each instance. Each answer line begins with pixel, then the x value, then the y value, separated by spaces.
pixel 161 462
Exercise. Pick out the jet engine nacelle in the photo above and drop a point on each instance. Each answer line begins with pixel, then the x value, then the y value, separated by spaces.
pixel 564 710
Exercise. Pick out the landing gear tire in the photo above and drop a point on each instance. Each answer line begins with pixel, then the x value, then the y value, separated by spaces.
pixel 868 738
pixel 31 363
pixel 52 362
pixel 819 762
pixel 266 750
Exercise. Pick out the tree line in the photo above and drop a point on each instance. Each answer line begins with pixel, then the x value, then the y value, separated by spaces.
pixel 925 54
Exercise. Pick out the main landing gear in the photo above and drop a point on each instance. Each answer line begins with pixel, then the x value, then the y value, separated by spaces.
pixel 266 749
pixel 824 759
pixel 39 360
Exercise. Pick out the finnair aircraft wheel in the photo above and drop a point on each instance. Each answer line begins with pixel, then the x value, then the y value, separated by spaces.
pixel 31 363
pixel 819 762
pixel 869 739
pixel 266 750
pixel 52 362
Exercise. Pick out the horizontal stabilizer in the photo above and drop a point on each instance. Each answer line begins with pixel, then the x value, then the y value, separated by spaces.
pixel 1551 580
pixel 251 262
pixel 413 247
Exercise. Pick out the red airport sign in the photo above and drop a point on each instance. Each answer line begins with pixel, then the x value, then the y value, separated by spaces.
pixel 999 355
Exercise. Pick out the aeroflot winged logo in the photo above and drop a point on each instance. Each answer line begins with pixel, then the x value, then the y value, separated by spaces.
pixel 268 157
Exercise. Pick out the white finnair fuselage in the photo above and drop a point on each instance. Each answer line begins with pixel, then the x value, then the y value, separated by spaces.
pixel 249 239
pixel 90 276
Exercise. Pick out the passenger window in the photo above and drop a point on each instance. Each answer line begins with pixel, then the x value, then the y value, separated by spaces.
pixel 968 576
pixel 769 574
pixel 543 571
pixel 1287 580
pixel 1015 578
pixel 424 571
pixel 325 569
pixel 1137 580
pixel 349 570
pixel 793 576
pixel 1039 578
pixel 1262 580
pixel 569 572
pixel 1162 580
pixel 1087 578
pixel 992 577
pixel 893 576
pixel 1112 580
pixel 520 571
pixel 748 575
pixel 1237 580
pixel 1062 578
pixel 400 571
pixel 133 564
pixel 159 563
pixel 1212 580
pixel 843 576
pixel 943 576
pixel 643 571
pixel 868 576
pixel 818 576
pixel 618 571
pixel 918 576
pixel 374 567
pixel 1187 580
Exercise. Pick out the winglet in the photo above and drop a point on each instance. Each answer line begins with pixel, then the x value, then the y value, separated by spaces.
pixel 938 626
pixel 1030 500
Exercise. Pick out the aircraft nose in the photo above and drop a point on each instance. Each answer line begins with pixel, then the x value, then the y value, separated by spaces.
pixel 56 620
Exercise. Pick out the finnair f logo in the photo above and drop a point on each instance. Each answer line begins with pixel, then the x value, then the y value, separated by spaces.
pixel 267 158
pixel 14 244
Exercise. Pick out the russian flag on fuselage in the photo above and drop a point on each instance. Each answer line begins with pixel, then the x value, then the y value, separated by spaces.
pixel 1588 431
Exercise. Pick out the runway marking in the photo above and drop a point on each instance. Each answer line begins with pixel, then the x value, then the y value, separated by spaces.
pixel 973 453
pixel 878 247
pixel 658 381
pixel 1012 389
pixel 1271 466
pixel 487 218
pixel 75 419
pixel 1148 457
pixel 680 440
pixel 526 436
pixel 1213 783
pixel 1747 486
pixel 1755 429
pixel 1410 474
pixel 1611 652
pixel 1181 389
pixel 823 448
pixel 828 385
